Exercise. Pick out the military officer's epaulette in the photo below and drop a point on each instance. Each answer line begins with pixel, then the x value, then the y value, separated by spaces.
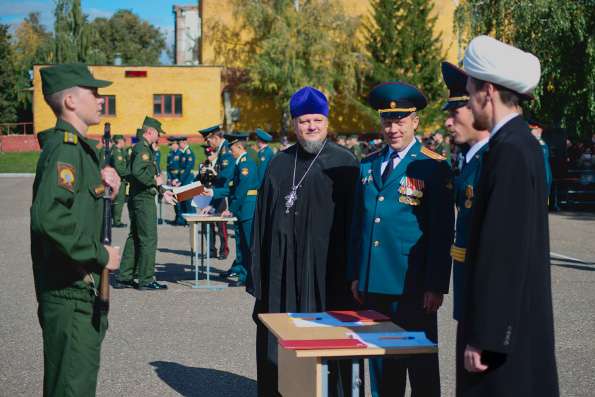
pixel 188 151
pixel 243 160
pixel 370 155
pixel 71 138
pixel 431 154
pixel 223 150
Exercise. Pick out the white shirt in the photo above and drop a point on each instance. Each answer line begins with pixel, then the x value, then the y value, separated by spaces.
pixel 240 158
pixel 475 148
pixel 501 123
pixel 397 159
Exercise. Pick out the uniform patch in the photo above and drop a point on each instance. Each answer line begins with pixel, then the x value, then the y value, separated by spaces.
pixel 145 157
pixel 225 163
pixel 263 158
pixel 245 171
pixel 120 158
pixel 243 160
pixel 71 138
pixel 66 176
pixel 230 184
pixel 469 196
pixel 99 190
pixel 431 154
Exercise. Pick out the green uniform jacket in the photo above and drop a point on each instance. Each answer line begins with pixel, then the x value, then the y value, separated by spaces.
pixel 142 170
pixel 119 161
pixel 67 190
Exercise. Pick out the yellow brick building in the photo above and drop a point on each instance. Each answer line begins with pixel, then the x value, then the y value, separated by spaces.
pixel 183 98
pixel 265 112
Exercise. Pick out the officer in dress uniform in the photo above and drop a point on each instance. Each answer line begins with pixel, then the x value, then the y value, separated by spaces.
pixel 265 153
pixel 119 160
pixel 537 131
pixel 402 231
pixel 66 220
pixel 459 123
pixel 186 176
pixel 224 166
pixel 241 191
pixel 173 174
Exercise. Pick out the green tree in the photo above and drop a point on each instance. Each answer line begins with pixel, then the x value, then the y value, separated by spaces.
pixel 71 32
pixel 287 44
pixel 562 35
pixel 8 111
pixel 402 46
pixel 33 44
pixel 135 41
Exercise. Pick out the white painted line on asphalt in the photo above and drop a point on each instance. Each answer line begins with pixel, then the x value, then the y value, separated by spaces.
pixel 16 175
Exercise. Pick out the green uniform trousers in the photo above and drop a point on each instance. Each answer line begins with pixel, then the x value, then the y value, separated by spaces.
pixel 72 336
pixel 118 204
pixel 138 259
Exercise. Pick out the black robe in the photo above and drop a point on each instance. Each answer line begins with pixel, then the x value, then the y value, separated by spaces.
pixel 298 261
pixel 508 306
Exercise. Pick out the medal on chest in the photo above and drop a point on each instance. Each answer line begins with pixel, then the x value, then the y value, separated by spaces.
pixel 469 196
pixel 411 191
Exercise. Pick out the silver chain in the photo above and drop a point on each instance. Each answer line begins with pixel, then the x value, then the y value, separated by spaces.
pixel 291 198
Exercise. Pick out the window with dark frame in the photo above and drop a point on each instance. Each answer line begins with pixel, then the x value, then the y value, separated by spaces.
pixel 109 105
pixel 167 104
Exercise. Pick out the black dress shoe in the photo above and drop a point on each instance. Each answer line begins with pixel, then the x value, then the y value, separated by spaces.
pixel 152 286
pixel 237 283
pixel 125 284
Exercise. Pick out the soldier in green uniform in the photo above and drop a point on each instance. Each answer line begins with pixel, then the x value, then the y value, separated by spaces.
pixel 67 254
pixel 265 153
pixel 355 147
pixel 140 250
pixel 119 160
pixel 402 230
pixel 241 191
pixel 459 123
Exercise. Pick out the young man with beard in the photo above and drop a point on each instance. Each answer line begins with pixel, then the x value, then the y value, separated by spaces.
pixel 300 232
pixel 507 322
pixel 402 231
pixel 459 123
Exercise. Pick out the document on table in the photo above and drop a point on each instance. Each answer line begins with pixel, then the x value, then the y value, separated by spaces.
pixel 322 319
pixel 393 339
pixel 201 202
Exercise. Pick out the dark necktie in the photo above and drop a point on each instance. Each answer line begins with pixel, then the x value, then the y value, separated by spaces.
pixel 389 166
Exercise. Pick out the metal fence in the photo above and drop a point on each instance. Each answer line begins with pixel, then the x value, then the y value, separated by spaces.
pixel 16 128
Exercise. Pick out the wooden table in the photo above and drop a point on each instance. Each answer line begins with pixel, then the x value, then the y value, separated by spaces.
pixel 305 372
pixel 194 220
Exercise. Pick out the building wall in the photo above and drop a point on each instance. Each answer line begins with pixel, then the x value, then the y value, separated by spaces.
pixel 200 87
pixel 187 32
pixel 265 112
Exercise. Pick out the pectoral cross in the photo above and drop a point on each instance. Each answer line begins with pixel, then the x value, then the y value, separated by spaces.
pixel 290 199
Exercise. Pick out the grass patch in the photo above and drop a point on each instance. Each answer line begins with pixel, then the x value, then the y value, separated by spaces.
pixel 18 162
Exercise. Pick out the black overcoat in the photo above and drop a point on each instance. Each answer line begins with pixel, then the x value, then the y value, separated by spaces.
pixel 508 305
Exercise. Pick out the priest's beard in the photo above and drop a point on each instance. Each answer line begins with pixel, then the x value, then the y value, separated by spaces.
pixel 312 147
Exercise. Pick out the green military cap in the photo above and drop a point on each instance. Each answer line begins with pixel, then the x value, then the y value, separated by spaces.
pixel 395 99
pixel 117 137
pixel 60 77
pixel 139 132
pixel 151 122
pixel 238 137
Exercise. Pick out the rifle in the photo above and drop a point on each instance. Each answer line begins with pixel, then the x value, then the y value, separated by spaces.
pixel 106 230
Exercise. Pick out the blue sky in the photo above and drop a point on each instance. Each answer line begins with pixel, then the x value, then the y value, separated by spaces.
pixel 157 12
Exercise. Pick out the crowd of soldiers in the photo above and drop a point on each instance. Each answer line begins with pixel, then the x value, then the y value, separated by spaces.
pixel 319 230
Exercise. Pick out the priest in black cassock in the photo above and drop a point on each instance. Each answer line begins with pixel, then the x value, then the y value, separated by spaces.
pixel 507 324
pixel 301 225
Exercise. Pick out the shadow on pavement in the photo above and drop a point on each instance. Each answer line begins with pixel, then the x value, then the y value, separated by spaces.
pixel 205 382
pixel 589 268
pixel 175 252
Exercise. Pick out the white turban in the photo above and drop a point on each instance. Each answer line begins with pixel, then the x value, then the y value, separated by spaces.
pixel 491 60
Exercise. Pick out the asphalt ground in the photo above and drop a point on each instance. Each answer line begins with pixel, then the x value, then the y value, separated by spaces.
pixel 192 342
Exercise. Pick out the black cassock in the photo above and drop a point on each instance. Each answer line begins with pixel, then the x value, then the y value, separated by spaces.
pixel 508 306
pixel 298 259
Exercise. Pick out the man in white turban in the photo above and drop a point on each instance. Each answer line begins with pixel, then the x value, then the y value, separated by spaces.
pixel 507 322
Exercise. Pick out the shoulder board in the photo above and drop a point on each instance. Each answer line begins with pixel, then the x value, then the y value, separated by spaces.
pixel 223 150
pixel 431 154
pixel 188 151
pixel 243 160
pixel 369 155
pixel 71 138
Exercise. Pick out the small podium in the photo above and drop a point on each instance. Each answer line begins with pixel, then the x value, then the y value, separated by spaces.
pixel 307 341
pixel 193 220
